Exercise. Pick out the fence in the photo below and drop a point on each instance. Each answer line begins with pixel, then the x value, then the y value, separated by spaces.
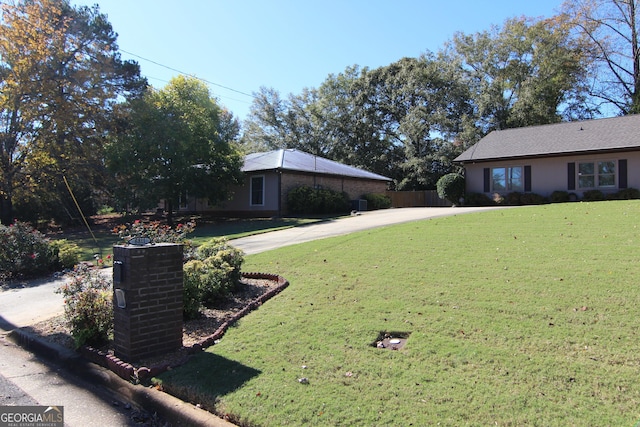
pixel 408 199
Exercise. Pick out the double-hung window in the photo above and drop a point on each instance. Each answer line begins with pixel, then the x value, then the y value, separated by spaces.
pixel 507 179
pixel 257 190
pixel 597 174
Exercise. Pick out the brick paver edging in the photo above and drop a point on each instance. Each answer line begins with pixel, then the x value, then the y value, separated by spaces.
pixel 128 372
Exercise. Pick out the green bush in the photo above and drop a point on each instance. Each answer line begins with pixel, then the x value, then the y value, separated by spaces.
pixel 317 201
pixel 377 201
pixel 192 290
pixel 560 197
pixel 213 273
pixel 88 305
pixel 478 199
pixel 626 194
pixel 66 254
pixel 451 187
pixel 532 199
pixel 512 199
pixel 593 196
pixel 25 252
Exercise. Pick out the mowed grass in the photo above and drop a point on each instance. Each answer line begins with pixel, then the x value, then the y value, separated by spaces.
pixel 523 316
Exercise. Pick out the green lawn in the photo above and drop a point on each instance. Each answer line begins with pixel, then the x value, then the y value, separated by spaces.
pixel 525 316
pixel 104 240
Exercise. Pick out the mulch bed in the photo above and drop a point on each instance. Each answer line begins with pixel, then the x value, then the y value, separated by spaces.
pixel 198 334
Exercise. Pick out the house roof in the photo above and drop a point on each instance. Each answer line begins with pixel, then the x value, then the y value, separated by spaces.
pixel 612 134
pixel 299 161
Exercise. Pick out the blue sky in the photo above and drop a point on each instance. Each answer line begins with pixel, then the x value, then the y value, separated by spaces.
pixel 290 44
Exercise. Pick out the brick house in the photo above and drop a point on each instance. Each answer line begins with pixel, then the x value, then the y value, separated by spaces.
pixel 269 176
pixel 602 154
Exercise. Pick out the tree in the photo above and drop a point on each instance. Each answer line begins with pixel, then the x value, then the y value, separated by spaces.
pixel 422 103
pixel 60 77
pixel 179 142
pixel 611 29
pixel 396 121
pixel 526 73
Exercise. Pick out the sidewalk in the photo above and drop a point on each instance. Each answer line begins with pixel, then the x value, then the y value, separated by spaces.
pixel 89 395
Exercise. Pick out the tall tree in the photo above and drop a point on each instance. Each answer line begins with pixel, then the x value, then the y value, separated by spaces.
pixel 60 77
pixel 178 143
pixel 422 102
pixel 611 27
pixel 525 73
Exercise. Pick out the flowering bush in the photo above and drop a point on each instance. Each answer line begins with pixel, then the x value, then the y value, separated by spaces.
pixel 24 251
pixel 88 305
pixel 213 272
pixel 157 233
pixel 66 254
pixel 154 230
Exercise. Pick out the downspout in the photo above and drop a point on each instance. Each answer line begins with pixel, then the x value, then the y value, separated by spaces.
pixel 279 193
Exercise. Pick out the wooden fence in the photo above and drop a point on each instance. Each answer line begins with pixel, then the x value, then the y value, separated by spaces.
pixel 409 199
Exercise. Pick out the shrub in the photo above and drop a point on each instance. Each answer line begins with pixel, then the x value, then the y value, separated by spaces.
pixel 532 199
pixel 477 199
pixel 192 291
pixel 377 201
pixel 451 187
pixel 307 200
pixel 593 196
pixel 24 251
pixel 154 230
pixel 157 233
pixel 512 199
pixel 626 194
pixel 88 308
pixel 212 274
pixel 66 255
pixel 560 197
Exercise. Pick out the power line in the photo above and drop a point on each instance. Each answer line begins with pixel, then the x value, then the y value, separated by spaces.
pixel 186 74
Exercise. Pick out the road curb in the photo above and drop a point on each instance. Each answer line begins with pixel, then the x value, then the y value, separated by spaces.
pixel 169 408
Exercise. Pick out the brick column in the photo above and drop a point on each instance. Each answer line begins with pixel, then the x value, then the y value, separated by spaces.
pixel 147 286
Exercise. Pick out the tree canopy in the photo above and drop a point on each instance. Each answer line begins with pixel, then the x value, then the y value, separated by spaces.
pixel 60 77
pixel 408 120
pixel 610 30
pixel 176 143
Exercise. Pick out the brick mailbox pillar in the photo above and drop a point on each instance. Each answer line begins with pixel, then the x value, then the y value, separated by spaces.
pixel 147 287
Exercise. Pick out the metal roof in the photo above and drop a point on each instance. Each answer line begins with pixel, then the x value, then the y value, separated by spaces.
pixel 299 161
pixel 617 133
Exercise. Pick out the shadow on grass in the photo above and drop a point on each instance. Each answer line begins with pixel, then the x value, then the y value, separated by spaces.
pixel 214 375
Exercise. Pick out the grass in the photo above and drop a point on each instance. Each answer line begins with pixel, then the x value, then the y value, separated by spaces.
pixel 524 316
pixel 232 229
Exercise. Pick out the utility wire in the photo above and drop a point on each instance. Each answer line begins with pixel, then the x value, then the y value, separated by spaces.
pixel 186 74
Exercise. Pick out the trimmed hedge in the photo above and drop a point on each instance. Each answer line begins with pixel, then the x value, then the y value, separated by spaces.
pixel 451 187
pixel 307 200
pixel 377 201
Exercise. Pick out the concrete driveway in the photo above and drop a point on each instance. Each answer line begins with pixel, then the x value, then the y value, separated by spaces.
pixel 363 221
pixel 37 301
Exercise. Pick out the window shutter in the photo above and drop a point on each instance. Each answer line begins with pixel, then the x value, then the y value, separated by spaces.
pixel 571 176
pixel 622 173
pixel 487 180
pixel 527 178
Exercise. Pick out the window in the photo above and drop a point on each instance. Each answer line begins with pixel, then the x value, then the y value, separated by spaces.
pixel 507 179
pixel 257 190
pixel 597 174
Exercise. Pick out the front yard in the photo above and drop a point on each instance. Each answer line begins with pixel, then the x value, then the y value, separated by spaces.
pixel 512 317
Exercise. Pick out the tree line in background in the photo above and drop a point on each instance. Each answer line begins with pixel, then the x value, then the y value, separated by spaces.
pixel 75 117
